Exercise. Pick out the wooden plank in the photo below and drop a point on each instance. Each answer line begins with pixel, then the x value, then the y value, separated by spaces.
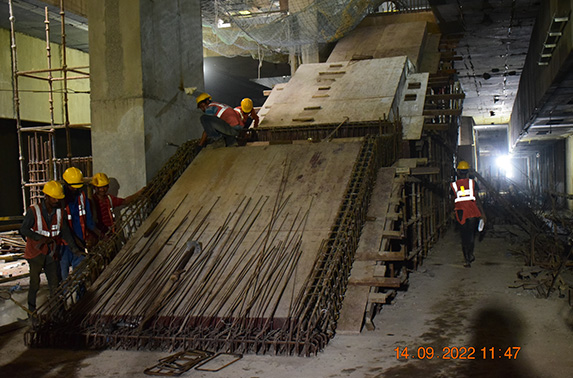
pixel 438 112
pixel 391 234
pixel 352 311
pixel 436 126
pixel 381 298
pixel 377 282
pixel 425 171
pixel 451 96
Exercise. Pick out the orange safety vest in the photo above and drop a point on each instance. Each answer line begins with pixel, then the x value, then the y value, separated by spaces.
pixel 33 248
pixel 465 199
pixel 226 113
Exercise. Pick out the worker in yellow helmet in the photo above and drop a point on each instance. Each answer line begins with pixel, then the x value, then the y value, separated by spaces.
pixel 247 113
pixel 219 122
pixel 467 209
pixel 44 227
pixel 79 216
pixel 105 203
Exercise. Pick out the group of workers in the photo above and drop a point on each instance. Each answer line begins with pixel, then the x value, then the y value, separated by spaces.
pixel 65 224
pixel 224 123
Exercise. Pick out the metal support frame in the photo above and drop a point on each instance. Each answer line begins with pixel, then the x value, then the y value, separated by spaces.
pixel 42 164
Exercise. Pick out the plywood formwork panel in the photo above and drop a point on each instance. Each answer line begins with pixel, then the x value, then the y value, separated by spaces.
pixel 326 93
pixel 248 207
pixel 382 41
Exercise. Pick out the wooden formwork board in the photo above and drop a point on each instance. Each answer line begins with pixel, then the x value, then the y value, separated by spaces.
pixel 327 93
pixel 227 187
pixel 382 41
pixel 356 297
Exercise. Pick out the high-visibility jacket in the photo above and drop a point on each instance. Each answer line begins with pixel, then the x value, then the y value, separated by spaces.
pixel 245 116
pixel 225 112
pixel 465 200
pixel 82 213
pixel 104 209
pixel 40 226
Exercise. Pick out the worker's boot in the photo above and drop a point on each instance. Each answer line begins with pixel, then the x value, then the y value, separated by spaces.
pixel 466 251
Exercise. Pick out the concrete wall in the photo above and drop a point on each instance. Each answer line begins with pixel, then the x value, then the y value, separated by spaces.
pixel 34 98
pixel 143 53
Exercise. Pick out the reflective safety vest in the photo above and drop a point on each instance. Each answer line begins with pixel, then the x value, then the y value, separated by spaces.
pixel 33 247
pixel 224 112
pixel 82 213
pixel 463 193
pixel 220 108
pixel 42 228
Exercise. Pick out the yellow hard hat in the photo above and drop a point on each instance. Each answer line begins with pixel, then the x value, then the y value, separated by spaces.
pixel 54 189
pixel 100 179
pixel 202 97
pixel 247 105
pixel 74 177
pixel 463 165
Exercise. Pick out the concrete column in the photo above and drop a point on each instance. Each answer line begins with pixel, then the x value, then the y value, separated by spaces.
pixel 142 54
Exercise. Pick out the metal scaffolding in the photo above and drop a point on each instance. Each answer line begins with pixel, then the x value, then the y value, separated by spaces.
pixel 37 152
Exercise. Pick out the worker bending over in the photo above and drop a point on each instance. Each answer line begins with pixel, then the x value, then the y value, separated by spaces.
pixel 220 121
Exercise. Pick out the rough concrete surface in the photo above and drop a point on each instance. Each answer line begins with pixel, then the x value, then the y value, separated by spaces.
pixel 446 305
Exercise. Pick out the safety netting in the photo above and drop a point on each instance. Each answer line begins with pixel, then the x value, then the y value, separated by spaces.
pixel 262 28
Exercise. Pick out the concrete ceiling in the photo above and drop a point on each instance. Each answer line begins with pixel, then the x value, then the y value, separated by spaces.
pixel 29 16
pixel 493 47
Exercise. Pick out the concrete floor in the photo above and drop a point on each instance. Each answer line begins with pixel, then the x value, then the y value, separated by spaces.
pixel 445 306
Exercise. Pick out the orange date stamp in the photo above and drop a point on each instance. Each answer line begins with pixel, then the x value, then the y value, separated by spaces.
pixel 457 353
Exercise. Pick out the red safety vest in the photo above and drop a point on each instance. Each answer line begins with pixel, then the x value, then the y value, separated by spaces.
pixel 465 199
pixel 226 113
pixel 245 116
pixel 41 227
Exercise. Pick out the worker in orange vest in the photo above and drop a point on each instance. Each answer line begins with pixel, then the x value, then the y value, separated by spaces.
pixel 247 114
pixel 467 209
pixel 105 203
pixel 44 227
pixel 220 121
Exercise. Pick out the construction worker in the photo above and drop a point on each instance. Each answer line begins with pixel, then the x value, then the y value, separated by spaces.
pixel 220 121
pixel 467 209
pixel 105 203
pixel 44 227
pixel 80 219
pixel 247 114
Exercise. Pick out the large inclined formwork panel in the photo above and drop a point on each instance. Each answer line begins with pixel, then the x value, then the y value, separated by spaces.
pixel 328 93
pixel 277 225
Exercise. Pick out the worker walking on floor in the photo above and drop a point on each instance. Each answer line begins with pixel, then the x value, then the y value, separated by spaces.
pixel 79 216
pixel 467 209
pixel 105 203
pixel 44 228
pixel 220 121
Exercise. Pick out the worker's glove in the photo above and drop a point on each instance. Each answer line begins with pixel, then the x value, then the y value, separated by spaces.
pixel 190 90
